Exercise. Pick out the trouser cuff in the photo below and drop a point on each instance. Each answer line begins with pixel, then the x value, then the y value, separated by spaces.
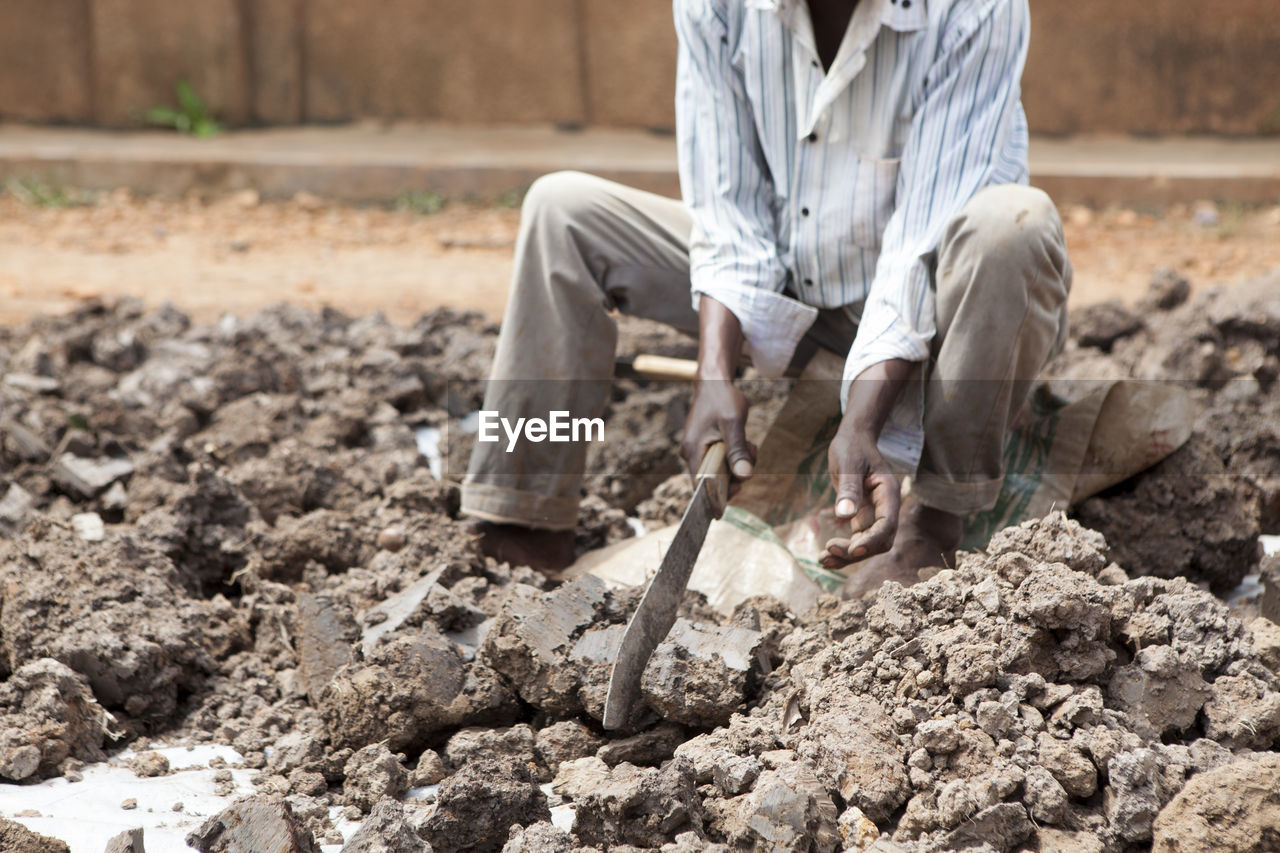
pixel 511 506
pixel 957 498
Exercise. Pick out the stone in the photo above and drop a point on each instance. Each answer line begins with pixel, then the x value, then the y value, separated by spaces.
pixel 1233 808
pixel 149 764
pixel 253 825
pixel 16 838
pixel 1003 826
pixel 642 806
pixel 429 771
pixel 1161 687
pixel 938 736
pixel 1046 800
pixel 373 773
pixel 556 648
pixel 1053 840
pixel 386 830
pixel 970 667
pixel 473 742
pixel 477 806
pixel 786 809
pixel 48 714
pixel 700 674
pixel 578 777
pixel 1136 794
pixel 857 832
pixel 1243 712
pixel 129 841
pixel 392 538
pixel 88 526
pixel 14 507
pixel 324 631
pixel 736 775
pixel 392 613
pixel 1073 770
pixel 88 477
pixel 1101 324
pixel 1266 642
pixel 541 837
pixel 565 741
pixel 853 749
pixel 648 748
pixel 409 690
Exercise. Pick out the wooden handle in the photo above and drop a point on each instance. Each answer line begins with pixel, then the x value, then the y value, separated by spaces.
pixel 663 367
pixel 714 469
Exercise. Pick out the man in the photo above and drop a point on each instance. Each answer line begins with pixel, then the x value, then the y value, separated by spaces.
pixel 853 176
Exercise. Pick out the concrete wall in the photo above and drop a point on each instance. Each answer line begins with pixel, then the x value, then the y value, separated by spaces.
pixel 1163 66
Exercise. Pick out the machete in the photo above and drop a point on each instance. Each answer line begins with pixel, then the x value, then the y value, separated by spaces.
pixel 657 611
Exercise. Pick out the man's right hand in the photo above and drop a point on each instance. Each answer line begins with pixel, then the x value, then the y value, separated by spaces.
pixel 719 409
pixel 718 413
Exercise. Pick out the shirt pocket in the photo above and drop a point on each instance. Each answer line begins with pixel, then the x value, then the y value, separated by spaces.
pixel 875 190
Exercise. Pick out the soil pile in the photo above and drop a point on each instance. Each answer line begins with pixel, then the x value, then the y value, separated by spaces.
pixel 1198 513
pixel 228 532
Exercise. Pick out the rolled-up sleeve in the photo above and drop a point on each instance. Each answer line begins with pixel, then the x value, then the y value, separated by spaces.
pixel 733 250
pixel 968 132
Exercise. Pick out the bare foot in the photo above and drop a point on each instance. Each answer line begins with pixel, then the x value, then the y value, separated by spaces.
pixel 926 539
pixel 546 551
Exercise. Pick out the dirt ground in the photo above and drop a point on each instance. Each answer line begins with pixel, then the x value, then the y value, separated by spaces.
pixel 238 254
pixel 227 530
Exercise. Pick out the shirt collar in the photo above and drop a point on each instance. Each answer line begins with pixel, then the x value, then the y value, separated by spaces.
pixel 896 17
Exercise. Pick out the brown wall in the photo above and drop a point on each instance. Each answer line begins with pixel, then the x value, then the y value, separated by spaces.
pixel 1163 66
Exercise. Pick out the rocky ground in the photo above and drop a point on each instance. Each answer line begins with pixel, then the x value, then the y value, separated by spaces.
pixel 227 533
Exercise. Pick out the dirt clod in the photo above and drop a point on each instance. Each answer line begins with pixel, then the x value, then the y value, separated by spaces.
pixel 47 716
pixel 252 825
pixel 478 805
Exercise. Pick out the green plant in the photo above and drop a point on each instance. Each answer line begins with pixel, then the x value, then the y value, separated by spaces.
pixel 190 117
pixel 30 190
pixel 1232 217
pixel 425 202
pixel 511 199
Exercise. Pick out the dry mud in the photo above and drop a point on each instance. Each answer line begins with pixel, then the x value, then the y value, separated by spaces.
pixel 227 532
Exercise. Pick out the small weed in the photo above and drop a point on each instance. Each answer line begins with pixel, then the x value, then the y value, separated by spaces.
pixel 1232 217
pixel 78 421
pixel 36 192
pixel 424 202
pixel 511 199
pixel 191 116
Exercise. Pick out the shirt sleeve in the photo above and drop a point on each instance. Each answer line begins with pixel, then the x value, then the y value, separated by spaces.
pixel 968 132
pixel 733 250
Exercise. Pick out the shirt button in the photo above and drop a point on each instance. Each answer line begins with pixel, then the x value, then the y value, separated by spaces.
pixel 906 4
pixel 808 282
pixel 804 211
pixel 814 63
pixel 813 137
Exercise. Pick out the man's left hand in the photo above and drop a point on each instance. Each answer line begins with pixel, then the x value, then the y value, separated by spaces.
pixel 867 497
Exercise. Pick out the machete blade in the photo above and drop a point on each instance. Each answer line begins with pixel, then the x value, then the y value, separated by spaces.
pixel 656 614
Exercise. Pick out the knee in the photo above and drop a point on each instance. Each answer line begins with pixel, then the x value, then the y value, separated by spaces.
pixel 1012 221
pixel 560 197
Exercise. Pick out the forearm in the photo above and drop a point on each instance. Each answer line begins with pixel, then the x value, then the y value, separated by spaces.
pixel 719 341
pixel 872 396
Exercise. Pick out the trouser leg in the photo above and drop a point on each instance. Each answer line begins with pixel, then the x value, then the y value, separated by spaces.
pixel 1002 278
pixel 586 246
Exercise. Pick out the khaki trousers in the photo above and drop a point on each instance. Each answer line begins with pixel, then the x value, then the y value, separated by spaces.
pixel 588 246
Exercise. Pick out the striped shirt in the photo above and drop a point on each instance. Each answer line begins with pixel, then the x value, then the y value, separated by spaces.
pixel 835 185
